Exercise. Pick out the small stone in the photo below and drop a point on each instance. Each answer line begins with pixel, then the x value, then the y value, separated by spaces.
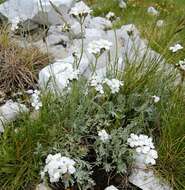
pixel 112 187
pixel 42 186
pixel 152 11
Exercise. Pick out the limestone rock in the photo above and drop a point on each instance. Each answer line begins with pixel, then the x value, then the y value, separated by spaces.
pixel 146 180
pixel 9 111
pixel 100 23
pixel 52 76
pixel 40 11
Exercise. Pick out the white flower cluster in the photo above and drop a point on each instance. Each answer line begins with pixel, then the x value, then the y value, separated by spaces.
pixel 56 166
pixel 144 146
pixel 97 47
pixel 114 84
pixel 35 99
pixel 80 10
pixel 104 136
pixel 175 48
pixel 97 82
pixel 110 16
pixel 156 98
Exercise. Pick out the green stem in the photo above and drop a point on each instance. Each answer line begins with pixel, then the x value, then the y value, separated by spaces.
pixel 94 66
pixel 82 48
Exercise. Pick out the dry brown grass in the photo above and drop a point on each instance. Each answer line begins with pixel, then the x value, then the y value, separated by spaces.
pixel 19 66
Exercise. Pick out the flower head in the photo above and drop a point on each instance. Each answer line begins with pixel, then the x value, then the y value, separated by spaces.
pixel 104 136
pixel 57 165
pixel 110 16
pixel 114 85
pixel 80 10
pixel 176 48
pixel 98 47
pixel 143 146
pixel 97 82
pixel 156 98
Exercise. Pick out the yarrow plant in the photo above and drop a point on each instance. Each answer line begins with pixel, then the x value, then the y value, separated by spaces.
pixel 143 146
pixel 112 151
pixel 59 167
pixel 98 82
pixel 114 85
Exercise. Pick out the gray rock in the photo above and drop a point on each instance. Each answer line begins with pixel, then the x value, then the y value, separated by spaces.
pixel 9 111
pixel 43 12
pixel 52 77
pixel 147 180
pixel 99 23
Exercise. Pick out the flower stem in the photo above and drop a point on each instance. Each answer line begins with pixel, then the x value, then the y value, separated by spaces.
pixel 82 47
pixel 94 66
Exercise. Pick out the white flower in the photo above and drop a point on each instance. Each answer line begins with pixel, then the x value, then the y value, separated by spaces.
pixel 98 47
pixel 110 16
pixel 144 147
pixel 122 4
pixel 56 166
pixel 35 100
pixel 156 99
pixel 153 154
pixel 80 10
pixel 176 48
pixel 97 82
pixel 160 23
pixel 111 188
pixel 104 136
pixel 99 88
pixel 152 11
pixel 151 157
pixel 114 85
